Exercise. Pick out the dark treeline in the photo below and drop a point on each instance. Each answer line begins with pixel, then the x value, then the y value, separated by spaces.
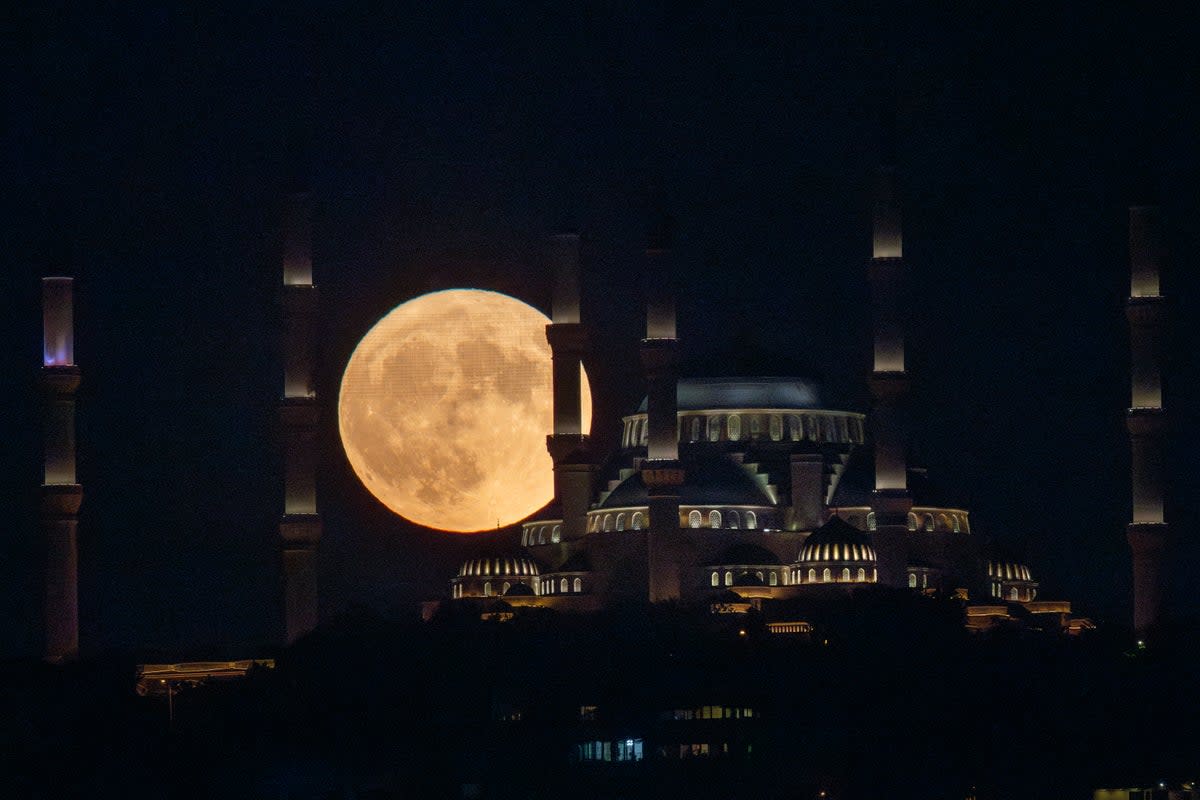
pixel 889 697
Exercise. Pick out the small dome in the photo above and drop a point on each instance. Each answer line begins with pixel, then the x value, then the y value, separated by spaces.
pixel 1009 571
pixel 838 541
pixel 519 590
pixel 747 553
pixel 499 567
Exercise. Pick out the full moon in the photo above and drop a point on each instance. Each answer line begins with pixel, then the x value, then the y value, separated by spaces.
pixel 445 406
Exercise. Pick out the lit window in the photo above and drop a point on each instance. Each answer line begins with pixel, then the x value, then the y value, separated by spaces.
pixel 912 521
pixel 755 427
pixel 629 750
pixel 795 432
pixel 758 574
pixel 775 427
pixel 620 522
pixel 734 520
pixel 487 589
pixel 774 579
pixel 729 579
pixel 541 535
pixel 578 585
pixel 562 586
pixel 695 520
pixel 845 574
pixel 871 523
pixel 714 429
pixel 714 519
pixel 751 520
pixel 929 522
pixel 608 522
pixel 826 576
pixel 734 427
pixel 505 587
pixel 716 581
pixel 1012 593
pixel 812 576
pixel 957 524
pixel 637 521
pixel 645 431
pixel 924 580
pixel 694 427
pixel 912 580
pixel 862 575
pixel 943 522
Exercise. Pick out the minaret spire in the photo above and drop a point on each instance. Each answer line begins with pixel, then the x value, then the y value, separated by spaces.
pixel 1148 533
pixel 61 492
pixel 300 526
pixel 661 471
pixel 889 382
pixel 568 444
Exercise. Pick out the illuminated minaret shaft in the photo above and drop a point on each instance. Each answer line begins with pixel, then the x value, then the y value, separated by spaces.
pixel 889 385
pixel 661 471
pixel 300 527
pixel 568 444
pixel 61 493
pixel 1148 532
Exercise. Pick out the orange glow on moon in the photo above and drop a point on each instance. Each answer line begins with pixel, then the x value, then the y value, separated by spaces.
pixel 445 406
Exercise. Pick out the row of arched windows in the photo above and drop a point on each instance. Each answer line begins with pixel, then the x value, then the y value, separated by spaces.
pixel 927 522
pixel 541 534
pixel 827 576
pixel 731 519
pixel 735 427
pixel 562 586
pixel 772 578
pixel 636 520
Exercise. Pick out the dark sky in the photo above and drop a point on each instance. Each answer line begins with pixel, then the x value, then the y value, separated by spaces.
pixel 145 153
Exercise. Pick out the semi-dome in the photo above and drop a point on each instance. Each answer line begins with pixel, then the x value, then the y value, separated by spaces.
pixel 710 479
pixel 499 567
pixel 697 394
pixel 838 541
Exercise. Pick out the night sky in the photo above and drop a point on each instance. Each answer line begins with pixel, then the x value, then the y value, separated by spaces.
pixel 145 153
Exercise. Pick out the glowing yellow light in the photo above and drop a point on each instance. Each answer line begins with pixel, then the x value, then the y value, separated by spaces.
pixel 445 406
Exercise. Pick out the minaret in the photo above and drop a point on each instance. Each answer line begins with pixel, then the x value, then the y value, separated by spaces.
pixel 889 385
pixel 661 471
pixel 1148 532
pixel 568 444
pixel 300 527
pixel 61 492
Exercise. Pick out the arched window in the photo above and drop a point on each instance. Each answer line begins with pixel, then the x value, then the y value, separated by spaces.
pixel 943 522
pixel 733 427
pixel 845 574
pixel 541 535
pixel 774 579
pixel 578 585
pixel 812 576
pixel 714 519
pixel 1012 593
pixel 505 587
pixel 734 521
pixel 775 427
pixel 912 521
pixel 487 589
pixel 716 581
pixel 645 431
pixel 758 574
pixel 562 586
pixel 795 429
pixel 810 428
pixel 826 575
pixel 957 524
pixel 751 520
pixel 871 524
pixel 755 426
pixel 637 520
pixel 620 522
pixel 929 522
pixel 862 575
pixel 694 426
pixel 694 519
pixel 924 580
pixel 556 534
pixel 608 522
pixel 728 578
pixel 912 580
pixel 714 429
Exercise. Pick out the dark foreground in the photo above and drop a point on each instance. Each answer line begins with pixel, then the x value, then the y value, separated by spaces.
pixel 886 699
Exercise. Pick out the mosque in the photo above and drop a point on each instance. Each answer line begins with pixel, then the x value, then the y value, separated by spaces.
pixel 733 493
